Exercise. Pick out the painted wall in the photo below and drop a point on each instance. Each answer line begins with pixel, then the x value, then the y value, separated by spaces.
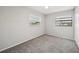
pixel 77 25
pixel 52 29
pixel 15 27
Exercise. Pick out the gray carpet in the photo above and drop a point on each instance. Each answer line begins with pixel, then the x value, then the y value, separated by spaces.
pixel 45 44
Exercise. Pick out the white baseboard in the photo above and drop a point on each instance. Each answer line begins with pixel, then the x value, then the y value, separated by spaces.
pixel 18 43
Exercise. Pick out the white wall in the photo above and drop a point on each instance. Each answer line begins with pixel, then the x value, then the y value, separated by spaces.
pixel 77 25
pixel 63 32
pixel 15 27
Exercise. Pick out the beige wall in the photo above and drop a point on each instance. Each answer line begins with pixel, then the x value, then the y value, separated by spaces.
pixel 15 27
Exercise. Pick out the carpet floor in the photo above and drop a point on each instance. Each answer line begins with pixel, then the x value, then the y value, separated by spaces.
pixel 45 44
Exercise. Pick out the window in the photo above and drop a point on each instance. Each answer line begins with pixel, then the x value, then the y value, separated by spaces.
pixel 64 21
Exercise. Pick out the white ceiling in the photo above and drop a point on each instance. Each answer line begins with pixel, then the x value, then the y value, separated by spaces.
pixel 51 9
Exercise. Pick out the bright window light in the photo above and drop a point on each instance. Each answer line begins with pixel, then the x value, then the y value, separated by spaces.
pixel 46 7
